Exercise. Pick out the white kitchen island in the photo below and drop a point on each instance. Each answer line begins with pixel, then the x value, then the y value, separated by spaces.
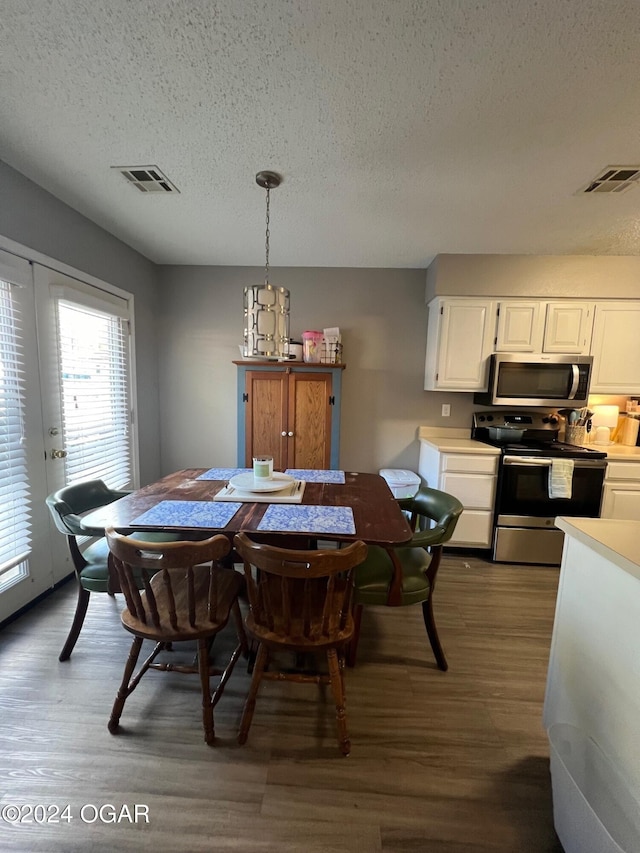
pixel 592 703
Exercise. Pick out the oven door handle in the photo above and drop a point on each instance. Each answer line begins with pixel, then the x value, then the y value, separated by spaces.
pixel 527 461
pixel 544 462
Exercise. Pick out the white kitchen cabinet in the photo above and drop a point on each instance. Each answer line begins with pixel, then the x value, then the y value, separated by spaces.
pixel 562 326
pixel 460 337
pixel 520 326
pixel 568 327
pixel 472 479
pixel 621 494
pixel 616 348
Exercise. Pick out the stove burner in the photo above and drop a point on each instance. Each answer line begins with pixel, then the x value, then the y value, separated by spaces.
pixel 540 435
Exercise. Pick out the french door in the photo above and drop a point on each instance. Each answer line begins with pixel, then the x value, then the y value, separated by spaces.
pixel 66 413
pixel 85 353
pixel 26 561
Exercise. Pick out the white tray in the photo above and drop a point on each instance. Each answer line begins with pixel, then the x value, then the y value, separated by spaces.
pixel 290 495
pixel 248 483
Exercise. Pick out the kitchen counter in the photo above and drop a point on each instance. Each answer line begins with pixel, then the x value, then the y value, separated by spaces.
pixel 593 681
pixel 617 451
pixel 614 539
pixel 455 440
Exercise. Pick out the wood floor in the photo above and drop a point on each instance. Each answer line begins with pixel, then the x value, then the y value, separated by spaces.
pixel 452 762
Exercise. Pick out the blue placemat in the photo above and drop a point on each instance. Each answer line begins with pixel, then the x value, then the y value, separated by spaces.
pixel 222 473
pixel 308 519
pixel 312 475
pixel 188 514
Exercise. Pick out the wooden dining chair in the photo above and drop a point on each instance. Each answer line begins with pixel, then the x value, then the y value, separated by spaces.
pixel 406 574
pixel 300 601
pixel 187 596
pixel 90 563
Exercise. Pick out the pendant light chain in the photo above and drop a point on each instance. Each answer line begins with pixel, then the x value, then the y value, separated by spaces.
pixel 267 233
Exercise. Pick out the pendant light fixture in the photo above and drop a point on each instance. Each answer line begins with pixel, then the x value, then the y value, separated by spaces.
pixel 266 308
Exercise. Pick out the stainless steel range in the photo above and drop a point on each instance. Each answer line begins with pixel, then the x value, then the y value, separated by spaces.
pixel 525 509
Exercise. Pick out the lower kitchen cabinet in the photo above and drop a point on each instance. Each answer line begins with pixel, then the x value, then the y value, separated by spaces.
pixel 621 493
pixel 472 479
pixel 290 412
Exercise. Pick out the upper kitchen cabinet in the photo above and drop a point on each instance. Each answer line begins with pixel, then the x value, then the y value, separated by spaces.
pixel 520 326
pixel 539 326
pixel 616 348
pixel 568 327
pixel 290 412
pixel 460 335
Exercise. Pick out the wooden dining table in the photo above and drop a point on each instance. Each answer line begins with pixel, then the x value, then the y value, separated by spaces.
pixel 377 517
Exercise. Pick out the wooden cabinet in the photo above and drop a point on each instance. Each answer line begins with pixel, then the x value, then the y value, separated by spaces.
pixel 472 479
pixel 289 412
pixel 621 494
pixel 616 348
pixel 460 338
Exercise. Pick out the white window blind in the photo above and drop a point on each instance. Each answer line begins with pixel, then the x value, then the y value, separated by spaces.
pixel 15 499
pixel 93 355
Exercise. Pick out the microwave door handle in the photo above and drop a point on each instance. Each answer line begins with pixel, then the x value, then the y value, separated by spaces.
pixel 574 385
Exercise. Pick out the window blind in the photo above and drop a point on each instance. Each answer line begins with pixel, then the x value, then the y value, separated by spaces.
pixel 93 357
pixel 15 498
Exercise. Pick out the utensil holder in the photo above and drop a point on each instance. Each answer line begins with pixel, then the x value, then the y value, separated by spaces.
pixel 574 434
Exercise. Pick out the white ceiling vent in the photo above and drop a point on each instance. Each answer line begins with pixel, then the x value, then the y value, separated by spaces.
pixel 614 179
pixel 148 179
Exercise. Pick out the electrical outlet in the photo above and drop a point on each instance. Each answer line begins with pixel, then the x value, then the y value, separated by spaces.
pixel 446 410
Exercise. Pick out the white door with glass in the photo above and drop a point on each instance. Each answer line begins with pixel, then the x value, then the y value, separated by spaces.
pixel 26 568
pixel 70 422
pixel 84 337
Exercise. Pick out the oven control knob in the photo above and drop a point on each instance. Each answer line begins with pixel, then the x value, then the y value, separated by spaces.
pixel 481 418
pixel 489 417
pixel 553 420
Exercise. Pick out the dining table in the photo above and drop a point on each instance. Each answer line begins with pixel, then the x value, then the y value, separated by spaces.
pixel 335 505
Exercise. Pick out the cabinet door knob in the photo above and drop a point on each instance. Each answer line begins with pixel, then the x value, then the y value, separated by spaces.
pixel 290 434
pixel 284 432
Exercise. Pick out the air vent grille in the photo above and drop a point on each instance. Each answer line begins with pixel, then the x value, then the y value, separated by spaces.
pixel 614 179
pixel 148 179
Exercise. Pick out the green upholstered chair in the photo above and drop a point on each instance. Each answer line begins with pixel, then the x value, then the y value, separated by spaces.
pixel 67 505
pixel 407 573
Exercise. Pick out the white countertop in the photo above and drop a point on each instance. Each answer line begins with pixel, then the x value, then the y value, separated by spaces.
pixel 616 540
pixel 617 451
pixel 455 440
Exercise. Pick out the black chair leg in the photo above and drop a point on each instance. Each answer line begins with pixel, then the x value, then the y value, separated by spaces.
pixel 76 625
pixel 430 625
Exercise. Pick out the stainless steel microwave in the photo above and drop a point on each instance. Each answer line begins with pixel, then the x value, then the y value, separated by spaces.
pixel 516 379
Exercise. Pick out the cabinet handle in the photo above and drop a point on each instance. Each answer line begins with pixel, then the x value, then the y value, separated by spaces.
pixel 290 434
pixel 283 433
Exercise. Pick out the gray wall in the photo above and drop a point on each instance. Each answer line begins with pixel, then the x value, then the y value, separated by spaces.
pixel 382 317
pixel 34 218
pixel 545 276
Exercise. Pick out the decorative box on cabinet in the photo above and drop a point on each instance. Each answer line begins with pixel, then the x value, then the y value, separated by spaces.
pixel 291 412
pixel 472 479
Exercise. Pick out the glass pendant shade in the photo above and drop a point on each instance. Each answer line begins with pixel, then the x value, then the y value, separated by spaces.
pixel 266 322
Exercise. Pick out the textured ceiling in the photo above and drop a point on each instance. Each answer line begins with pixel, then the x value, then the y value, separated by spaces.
pixel 403 128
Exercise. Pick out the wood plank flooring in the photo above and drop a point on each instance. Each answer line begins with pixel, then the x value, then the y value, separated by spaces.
pixel 452 762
